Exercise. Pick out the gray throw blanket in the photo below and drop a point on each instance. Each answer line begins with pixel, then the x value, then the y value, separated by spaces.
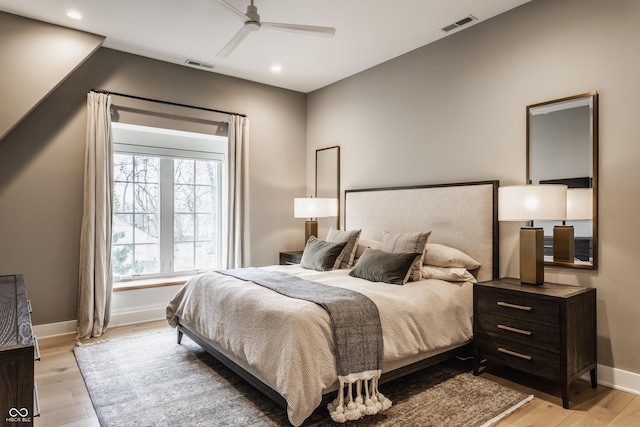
pixel 357 336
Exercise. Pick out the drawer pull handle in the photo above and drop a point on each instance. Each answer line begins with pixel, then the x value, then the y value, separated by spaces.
pixel 517 307
pixel 513 353
pixel 516 330
pixel 36 356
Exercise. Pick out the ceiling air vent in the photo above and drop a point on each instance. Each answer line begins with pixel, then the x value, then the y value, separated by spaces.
pixel 198 64
pixel 458 24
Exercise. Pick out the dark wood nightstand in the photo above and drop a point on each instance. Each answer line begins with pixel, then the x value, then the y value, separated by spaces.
pixel 547 330
pixel 290 257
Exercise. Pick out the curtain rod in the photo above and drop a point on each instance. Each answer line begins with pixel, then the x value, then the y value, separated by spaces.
pixel 166 102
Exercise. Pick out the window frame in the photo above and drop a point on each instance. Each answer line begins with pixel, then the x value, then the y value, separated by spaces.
pixel 168 145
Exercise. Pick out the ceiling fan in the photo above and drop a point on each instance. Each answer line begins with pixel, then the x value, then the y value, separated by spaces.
pixel 252 23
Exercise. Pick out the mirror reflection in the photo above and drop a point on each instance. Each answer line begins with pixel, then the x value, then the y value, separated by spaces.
pixel 562 149
pixel 328 182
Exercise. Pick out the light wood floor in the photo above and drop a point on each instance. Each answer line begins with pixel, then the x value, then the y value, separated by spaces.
pixel 64 400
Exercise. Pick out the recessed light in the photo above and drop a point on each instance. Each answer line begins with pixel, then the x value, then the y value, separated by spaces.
pixel 74 15
pixel 276 68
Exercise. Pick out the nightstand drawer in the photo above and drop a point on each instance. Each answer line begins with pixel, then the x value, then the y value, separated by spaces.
pixel 518 305
pixel 523 331
pixel 288 258
pixel 522 357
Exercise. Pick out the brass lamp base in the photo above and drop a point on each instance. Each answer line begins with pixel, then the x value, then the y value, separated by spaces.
pixel 310 229
pixel 563 243
pixel 531 256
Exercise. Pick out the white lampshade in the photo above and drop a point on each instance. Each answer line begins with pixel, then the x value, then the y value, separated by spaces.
pixel 579 203
pixel 546 202
pixel 333 207
pixel 309 207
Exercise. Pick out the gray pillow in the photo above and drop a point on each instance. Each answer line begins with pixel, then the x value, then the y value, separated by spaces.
pixel 407 242
pixel 388 267
pixel 320 255
pixel 348 254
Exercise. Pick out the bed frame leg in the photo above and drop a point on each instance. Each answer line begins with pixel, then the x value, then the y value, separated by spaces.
pixel 180 333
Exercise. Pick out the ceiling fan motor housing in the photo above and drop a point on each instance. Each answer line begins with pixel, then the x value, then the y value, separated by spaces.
pixel 252 14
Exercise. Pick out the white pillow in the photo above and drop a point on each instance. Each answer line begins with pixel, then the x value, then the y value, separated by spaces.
pixel 348 254
pixel 363 244
pixel 450 274
pixel 446 256
pixel 407 242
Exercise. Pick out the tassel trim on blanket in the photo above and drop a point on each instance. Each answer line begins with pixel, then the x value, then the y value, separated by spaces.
pixel 362 397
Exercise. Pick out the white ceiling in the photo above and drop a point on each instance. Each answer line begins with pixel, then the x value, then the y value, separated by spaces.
pixel 368 32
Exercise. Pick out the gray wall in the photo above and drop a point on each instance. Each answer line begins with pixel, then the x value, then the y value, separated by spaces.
pixel 24 84
pixel 41 168
pixel 456 111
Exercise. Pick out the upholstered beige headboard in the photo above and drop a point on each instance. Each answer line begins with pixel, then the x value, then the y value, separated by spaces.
pixel 463 216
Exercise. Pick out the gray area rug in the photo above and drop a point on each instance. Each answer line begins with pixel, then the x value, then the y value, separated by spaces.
pixel 152 381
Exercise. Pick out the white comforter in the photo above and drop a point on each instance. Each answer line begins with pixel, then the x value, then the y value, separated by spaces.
pixel 287 343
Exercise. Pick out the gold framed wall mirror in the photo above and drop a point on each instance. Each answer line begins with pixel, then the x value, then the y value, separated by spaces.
pixel 328 183
pixel 562 148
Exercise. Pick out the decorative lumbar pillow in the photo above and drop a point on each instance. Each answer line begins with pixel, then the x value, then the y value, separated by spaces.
pixel 407 243
pixel 348 254
pixel 388 267
pixel 446 256
pixel 320 255
pixel 450 274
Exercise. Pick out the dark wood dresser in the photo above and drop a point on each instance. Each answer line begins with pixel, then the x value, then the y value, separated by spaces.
pixel 17 346
pixel 547 330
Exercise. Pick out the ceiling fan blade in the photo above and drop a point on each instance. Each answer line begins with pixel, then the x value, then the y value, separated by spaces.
pixel 237 39
pixel 302 29
pixel 241 15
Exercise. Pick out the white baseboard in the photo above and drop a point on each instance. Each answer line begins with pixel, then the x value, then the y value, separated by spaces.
pixel 130 317
pixel 140 305
pixel 618 379
pixel 55 329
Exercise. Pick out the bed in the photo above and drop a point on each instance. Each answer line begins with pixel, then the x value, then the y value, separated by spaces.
pixel 284 346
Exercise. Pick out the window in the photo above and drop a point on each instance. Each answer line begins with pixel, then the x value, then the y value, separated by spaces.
pixel 195 210
pixel 168 202
pixel 136 215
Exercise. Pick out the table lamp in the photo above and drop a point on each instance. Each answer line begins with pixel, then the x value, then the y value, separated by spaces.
pixel 312 209
pixel 579 207
pixel 547 202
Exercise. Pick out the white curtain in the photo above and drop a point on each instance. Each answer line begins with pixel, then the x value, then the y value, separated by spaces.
pixel 96 281
pixel 238 207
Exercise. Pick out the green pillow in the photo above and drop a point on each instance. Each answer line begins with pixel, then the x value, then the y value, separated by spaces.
pixel 388 267
pixel 320 255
